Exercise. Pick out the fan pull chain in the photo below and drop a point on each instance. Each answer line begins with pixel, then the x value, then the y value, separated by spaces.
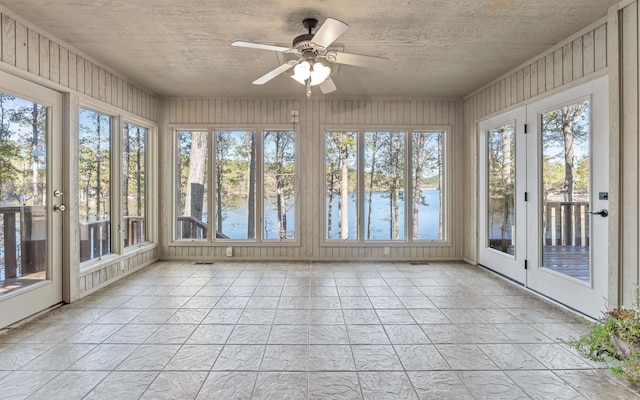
pixel 308 88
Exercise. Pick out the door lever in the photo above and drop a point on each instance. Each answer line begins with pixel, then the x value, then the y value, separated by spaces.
pixel 602 213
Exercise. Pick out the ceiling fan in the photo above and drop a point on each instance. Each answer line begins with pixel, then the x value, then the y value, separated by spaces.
pixel 312 66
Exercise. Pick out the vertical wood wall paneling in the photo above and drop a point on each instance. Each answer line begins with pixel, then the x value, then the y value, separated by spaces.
pixel 577 54
pixel 589 54
pixel 567 63
pixel 557 68
pixel 22 46
pixel 64 66
pixel 43 57
pixel 630 152
pixel 600 47
pixel 8 33
pixel 33 51
pixel 73 71
pixel 54 62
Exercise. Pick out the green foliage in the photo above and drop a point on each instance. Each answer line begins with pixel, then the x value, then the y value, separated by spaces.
pixel 614 339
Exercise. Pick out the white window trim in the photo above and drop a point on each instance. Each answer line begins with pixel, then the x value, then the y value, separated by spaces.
pixel 446 241
pixel 118 117
pixel 211 241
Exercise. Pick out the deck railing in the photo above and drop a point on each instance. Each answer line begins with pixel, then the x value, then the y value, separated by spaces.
pixel 23 239
pixel 191 228
pixel 566 223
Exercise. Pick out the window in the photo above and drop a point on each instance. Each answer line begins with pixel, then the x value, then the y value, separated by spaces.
pixel 134 155
pixel 341 185
pixel 94 169
pixel 235 184
pixel 427 185
pixel 394 164
pixel 384 181
pixel 192 175
pixel 245 164
pixel 279 185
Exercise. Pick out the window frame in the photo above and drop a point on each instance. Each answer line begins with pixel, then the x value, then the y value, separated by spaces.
pixel 147 180
pixel 407 131
pixel 211 240
pixel 118 117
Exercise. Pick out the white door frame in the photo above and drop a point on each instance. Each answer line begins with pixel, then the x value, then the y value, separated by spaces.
pixel 23 303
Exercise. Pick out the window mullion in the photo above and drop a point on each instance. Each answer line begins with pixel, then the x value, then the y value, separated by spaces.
pixel 211 204
pixel 259 212
pixel 408 185
pixel 116 166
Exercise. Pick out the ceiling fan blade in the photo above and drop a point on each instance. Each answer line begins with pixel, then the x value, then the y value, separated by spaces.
pixel 272 74
pixel 330 30
pixel 327 86
pixel 358 60
pixel 260 46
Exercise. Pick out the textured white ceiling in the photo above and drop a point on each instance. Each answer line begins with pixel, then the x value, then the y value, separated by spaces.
pixel 438 48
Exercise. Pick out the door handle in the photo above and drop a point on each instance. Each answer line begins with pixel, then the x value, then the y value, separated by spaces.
pixel 59 207
pixel 602 213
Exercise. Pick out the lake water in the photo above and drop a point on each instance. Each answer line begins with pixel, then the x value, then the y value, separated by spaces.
pixel 234 223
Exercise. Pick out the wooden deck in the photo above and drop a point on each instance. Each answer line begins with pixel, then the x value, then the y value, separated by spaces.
pixel 569 260
pixel 9 285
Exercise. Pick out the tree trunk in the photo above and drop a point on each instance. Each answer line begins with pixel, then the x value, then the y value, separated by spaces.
pixel 567 135
pixel 330 189
pixel 196 178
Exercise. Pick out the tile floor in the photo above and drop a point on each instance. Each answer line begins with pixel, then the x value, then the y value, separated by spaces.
pixel 303 331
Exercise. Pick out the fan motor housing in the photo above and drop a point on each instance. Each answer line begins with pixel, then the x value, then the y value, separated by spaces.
pixel 302 43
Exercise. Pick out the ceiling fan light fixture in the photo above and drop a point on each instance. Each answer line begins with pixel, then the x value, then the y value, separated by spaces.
pixel 302 71
pixel 319 74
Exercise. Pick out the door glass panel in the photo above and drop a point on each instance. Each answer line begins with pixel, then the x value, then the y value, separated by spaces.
pixel 566 189
pixel 501 154
pixel 94 166
pixel 23 189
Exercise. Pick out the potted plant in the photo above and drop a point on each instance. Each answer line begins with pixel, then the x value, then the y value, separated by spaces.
pixel 614 339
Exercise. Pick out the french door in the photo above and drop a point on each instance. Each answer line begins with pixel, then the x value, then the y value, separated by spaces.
pixel 31 198
pixel 553 237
